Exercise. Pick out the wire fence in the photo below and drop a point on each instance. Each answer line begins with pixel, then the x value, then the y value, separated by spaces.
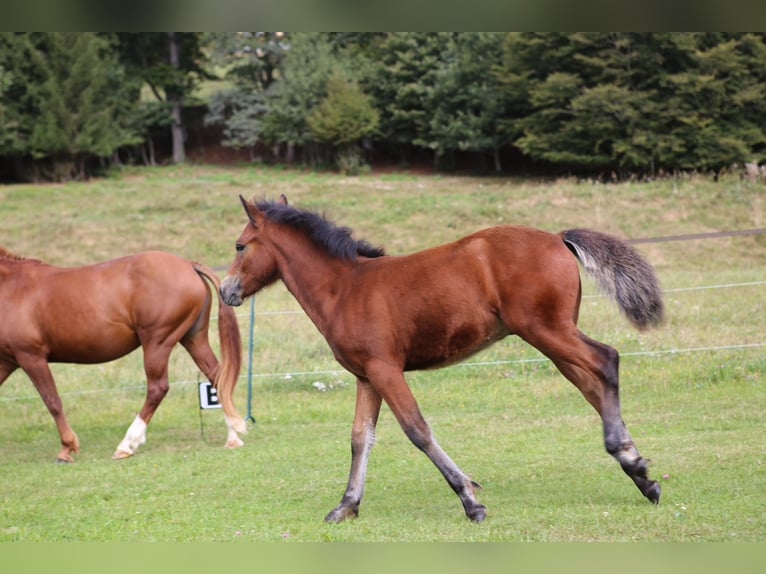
pixel 288 375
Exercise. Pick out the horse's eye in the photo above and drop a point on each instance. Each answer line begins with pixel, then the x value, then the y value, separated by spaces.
pixel 240 247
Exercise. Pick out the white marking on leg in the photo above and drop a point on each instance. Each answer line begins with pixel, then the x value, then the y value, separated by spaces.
pixel 232 439
pixel 355 488
pixel 135 436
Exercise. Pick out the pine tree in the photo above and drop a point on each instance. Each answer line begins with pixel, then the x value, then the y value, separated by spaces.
pixel 66 99
pixel 8 124
pixel 407 67
pixel 466 101
pixel 635 102
pixel 718 103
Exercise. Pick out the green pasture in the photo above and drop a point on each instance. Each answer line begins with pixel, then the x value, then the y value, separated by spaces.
pixel 692 391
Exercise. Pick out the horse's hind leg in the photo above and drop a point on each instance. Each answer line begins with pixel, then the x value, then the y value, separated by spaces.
pixel 157 386
pixel 39 372
pixel 593 368
pixel 198 347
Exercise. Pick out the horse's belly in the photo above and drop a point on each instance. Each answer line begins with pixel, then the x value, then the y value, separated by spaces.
pixel 443 349
pixel 91 350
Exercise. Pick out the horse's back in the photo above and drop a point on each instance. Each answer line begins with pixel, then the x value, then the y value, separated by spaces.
pixel 442 304
pixel 146 289
pixel 504 255
pixel 99 312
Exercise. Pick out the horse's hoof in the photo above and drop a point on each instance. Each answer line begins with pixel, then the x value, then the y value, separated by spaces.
pixel 340 513
pixel 478 513
pixel 121 454
pixel 234 443
pixel 653 492
pixel 67 460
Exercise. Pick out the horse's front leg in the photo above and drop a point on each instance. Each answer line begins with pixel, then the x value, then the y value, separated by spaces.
pixel 368 403
pixel 38 371
pixel 394 390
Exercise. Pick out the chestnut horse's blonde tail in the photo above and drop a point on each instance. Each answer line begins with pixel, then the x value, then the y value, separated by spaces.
pixel 231 353
pixel 620 272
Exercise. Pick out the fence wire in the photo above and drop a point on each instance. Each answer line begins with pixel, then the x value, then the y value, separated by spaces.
pixel 288 375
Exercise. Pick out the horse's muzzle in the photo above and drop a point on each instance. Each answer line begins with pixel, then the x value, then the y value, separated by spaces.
pixel 231 291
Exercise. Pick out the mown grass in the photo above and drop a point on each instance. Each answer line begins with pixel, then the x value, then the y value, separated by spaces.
pixel 508 418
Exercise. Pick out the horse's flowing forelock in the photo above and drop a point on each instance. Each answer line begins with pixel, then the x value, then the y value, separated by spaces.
pixel 337 241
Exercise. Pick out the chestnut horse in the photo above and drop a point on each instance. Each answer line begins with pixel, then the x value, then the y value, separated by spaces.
pixel 383 315
pixel 97 313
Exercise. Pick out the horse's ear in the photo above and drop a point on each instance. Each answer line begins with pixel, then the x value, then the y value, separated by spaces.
pixel 283 199
pixel 248 210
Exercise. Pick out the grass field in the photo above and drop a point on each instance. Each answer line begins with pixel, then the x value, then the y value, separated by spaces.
pixel 692 391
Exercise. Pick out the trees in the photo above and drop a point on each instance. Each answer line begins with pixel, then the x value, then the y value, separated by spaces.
pixel 252 60
pixel 606 102
pixel 171 64
pixel 305 91
pixel 719 103
pixel 402 84
pixel 465 100
pixel 9 117
pixel 302 86
pixel 64 101
pixel 342 119
pixel 297 91
pixel 636 102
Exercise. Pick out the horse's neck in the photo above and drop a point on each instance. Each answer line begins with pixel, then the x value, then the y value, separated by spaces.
pixel 314 279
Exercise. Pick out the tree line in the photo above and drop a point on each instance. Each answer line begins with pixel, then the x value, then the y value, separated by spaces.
pixel 623 103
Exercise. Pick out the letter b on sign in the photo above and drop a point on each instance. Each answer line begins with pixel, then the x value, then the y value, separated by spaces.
pixel 208 396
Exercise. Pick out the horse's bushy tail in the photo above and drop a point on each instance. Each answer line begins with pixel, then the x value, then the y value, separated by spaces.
pixel 620 272
pixel 231 353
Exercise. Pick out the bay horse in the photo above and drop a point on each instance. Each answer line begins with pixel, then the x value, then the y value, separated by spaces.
pixel 384 315
pixel 98 313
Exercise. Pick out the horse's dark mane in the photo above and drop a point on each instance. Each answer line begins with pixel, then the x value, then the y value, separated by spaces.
pixel 13 258
pixel 336 240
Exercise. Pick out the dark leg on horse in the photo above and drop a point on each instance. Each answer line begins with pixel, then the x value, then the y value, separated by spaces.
pixel 464 487
pixel 38 371
pixel 368 403
pixel 157 386
pixel 393 387
pixel 594 370
pixel 617 439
